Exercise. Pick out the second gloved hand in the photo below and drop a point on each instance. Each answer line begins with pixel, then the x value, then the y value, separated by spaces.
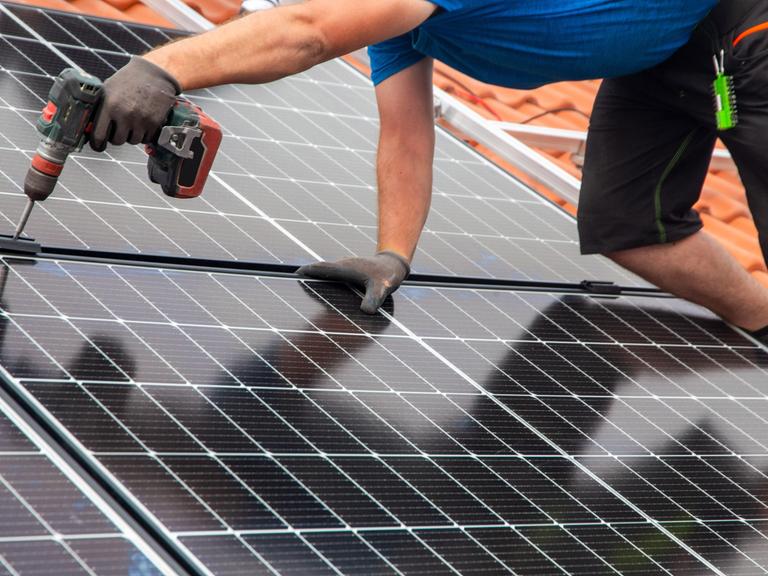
pixel 379 275
pixel 136 102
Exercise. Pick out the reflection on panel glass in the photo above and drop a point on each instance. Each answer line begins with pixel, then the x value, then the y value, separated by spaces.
pixel 266 426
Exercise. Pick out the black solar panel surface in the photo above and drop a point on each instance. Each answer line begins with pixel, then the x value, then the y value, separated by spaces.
pixel 49 525
pixel 294 180
pixel 266 424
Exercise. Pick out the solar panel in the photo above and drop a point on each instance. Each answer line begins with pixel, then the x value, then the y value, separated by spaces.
pixel 260 424
pixel 52 517
pixel 294 180
pixel 264 424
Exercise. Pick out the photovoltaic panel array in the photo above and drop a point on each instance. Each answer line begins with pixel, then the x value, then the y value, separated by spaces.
pixel 293 182
pixel 258 424
pixel 51 520
pixel 265 425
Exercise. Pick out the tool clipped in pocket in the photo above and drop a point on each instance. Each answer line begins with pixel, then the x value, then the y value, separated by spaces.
pixel 726 112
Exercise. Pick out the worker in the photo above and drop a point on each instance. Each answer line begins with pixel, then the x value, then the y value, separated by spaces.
pixel 651 137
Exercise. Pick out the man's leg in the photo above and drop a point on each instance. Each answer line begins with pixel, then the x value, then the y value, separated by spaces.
pixel 716 280
pixel 635 160
pixel 699 269
pixel 645 166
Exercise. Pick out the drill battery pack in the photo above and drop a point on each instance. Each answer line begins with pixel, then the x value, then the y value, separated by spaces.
pixel 183 153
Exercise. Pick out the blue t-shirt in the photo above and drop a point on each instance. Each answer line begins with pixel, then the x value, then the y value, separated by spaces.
pixel 528 43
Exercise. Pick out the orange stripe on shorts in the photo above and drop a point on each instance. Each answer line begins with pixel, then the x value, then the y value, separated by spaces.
pixel 753 30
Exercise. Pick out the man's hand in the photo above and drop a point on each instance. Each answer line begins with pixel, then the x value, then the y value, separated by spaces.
pixel 379 275
pixel 137 99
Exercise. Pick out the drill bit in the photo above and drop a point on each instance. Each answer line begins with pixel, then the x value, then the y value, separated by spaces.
pixel 24 218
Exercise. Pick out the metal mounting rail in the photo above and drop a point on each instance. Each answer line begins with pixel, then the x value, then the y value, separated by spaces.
pixel 180 14
pixel 574 141
pixel 511 149
pixel 289 271
pixel 722 160
pixel 560 139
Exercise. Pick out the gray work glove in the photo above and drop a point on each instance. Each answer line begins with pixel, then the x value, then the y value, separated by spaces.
pixel 136 102
pixel 379 275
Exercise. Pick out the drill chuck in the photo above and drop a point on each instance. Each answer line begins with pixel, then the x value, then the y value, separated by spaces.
pixel 39 184
pixel 43 173
pixel 63 124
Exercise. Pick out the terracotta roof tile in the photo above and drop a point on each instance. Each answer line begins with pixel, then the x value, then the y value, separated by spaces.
pixel 53 4
pixel 216 11
pixel 143 14
pixel 734 237
pixel 720 205
pixel 745 224
pixel 122 5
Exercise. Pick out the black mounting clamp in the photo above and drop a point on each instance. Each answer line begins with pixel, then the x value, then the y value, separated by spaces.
pixel 602 288
pixel 20 245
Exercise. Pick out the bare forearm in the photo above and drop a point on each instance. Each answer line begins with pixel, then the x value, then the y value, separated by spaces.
pixel 257 48
pixel 272 44
pixel 406 150
pixel 405 193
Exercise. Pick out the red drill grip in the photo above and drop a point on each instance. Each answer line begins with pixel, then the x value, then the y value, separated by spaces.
pixel 211 139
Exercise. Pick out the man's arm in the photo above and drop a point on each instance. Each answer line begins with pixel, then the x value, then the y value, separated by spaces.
pixel 261 47
pixel 404 166
pixel 404 163
pixel 269 45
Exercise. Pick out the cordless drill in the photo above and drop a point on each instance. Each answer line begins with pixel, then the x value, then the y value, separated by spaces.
pixel 180 156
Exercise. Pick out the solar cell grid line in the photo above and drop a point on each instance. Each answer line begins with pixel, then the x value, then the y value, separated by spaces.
pixel 501 312
pixel 307 163
pixel 699 408
pixel 58 518
pixel 240 454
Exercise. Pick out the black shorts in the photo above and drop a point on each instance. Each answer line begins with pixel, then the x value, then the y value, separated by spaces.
pixel 652 135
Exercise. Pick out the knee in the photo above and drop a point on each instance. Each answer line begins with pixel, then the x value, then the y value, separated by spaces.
pixel 630 257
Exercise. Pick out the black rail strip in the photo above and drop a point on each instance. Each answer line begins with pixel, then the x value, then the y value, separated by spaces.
pixel 288 270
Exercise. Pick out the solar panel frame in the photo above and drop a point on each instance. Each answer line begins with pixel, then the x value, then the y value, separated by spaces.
pixel 60 517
